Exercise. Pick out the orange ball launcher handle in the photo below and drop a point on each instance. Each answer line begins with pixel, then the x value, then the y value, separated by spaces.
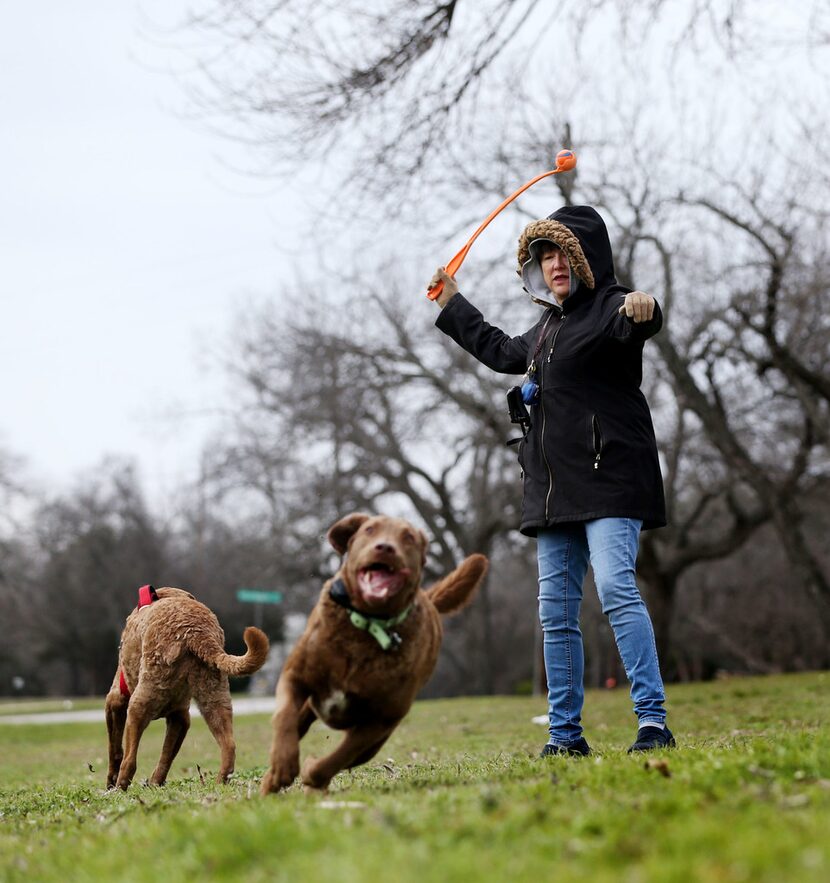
pixel 565 161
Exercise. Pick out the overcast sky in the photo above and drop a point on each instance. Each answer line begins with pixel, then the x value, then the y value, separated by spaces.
pixel 127 245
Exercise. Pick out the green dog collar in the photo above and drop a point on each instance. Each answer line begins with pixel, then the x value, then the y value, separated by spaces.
pixel 382 630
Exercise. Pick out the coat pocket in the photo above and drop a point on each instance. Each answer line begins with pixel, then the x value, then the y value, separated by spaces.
pixel 596 439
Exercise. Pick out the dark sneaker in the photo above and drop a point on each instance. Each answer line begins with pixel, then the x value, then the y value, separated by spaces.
pixel 580 748
pixel 649 738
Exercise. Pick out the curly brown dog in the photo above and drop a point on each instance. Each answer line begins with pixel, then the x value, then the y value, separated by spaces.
pixel 371 643
pixel 172 651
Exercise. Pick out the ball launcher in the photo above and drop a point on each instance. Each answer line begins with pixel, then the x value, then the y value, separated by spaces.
pixel 565 161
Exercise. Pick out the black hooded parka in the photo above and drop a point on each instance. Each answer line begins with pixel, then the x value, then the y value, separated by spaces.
pixel 590 452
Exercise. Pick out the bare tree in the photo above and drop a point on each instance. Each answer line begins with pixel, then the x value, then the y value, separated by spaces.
pixel 395 84
pixel 746 442
pixel 97 546
pixel 246 523
pixel 734 254
pixel 412 423
pixel 408 424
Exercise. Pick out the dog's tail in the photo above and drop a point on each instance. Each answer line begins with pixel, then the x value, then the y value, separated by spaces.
pixel 236 666
pixel 456 589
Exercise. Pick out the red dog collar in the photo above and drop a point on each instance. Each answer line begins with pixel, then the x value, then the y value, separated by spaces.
pixel 146 595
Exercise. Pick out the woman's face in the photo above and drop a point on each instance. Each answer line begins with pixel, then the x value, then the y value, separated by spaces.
pixel 556 272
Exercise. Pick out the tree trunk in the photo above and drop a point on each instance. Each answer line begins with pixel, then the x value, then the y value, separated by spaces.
pixel 661 590
pixel 486 652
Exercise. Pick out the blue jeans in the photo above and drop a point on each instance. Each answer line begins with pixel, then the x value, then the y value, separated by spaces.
pixel 611 545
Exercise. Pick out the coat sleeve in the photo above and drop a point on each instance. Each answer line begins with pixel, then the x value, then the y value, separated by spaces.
pixel 621 327
pixel 461 321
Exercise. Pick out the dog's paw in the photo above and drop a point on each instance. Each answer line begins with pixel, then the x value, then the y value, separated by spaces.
pixel 279 777
pixel 312 777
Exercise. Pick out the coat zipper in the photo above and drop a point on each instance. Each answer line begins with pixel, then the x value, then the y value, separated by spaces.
pixel 555 335
pixel 596 436
pixel 544 418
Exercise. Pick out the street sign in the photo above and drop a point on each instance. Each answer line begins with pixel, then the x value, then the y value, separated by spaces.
pixel 259 596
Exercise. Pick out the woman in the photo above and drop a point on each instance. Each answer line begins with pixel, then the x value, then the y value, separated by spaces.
pixel 589 460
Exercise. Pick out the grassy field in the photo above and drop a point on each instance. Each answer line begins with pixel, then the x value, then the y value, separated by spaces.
pixel 41 706
pixel 457 794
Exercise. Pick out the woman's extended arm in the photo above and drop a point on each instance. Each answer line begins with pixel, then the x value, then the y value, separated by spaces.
pixel 461 321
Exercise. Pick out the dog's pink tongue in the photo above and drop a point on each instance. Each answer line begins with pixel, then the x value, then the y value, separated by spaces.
pixel 377 585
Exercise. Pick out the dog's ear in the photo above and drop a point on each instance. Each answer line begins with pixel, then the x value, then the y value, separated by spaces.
pixel 424 540
pixel 342 531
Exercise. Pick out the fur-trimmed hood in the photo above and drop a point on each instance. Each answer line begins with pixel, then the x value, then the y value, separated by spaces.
pixel 581 233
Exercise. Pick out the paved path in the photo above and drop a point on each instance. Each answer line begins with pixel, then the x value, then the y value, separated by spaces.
pixel 241 705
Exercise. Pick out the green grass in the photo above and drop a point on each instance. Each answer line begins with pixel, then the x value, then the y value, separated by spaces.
pixel 457 794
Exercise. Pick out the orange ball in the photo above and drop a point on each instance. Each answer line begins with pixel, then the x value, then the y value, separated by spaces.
pixel 565 160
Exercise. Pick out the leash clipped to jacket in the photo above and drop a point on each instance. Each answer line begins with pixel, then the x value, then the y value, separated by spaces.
pixel 518 413
pixel 565 162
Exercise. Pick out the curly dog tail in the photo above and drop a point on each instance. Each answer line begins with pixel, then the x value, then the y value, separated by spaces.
pixel 456 589
pixel 236 666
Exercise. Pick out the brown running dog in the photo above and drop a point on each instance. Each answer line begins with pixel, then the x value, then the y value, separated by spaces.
pixel 370 644
pixel 171 651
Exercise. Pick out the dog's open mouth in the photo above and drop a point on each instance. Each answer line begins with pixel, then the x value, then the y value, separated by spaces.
pixel 379 581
